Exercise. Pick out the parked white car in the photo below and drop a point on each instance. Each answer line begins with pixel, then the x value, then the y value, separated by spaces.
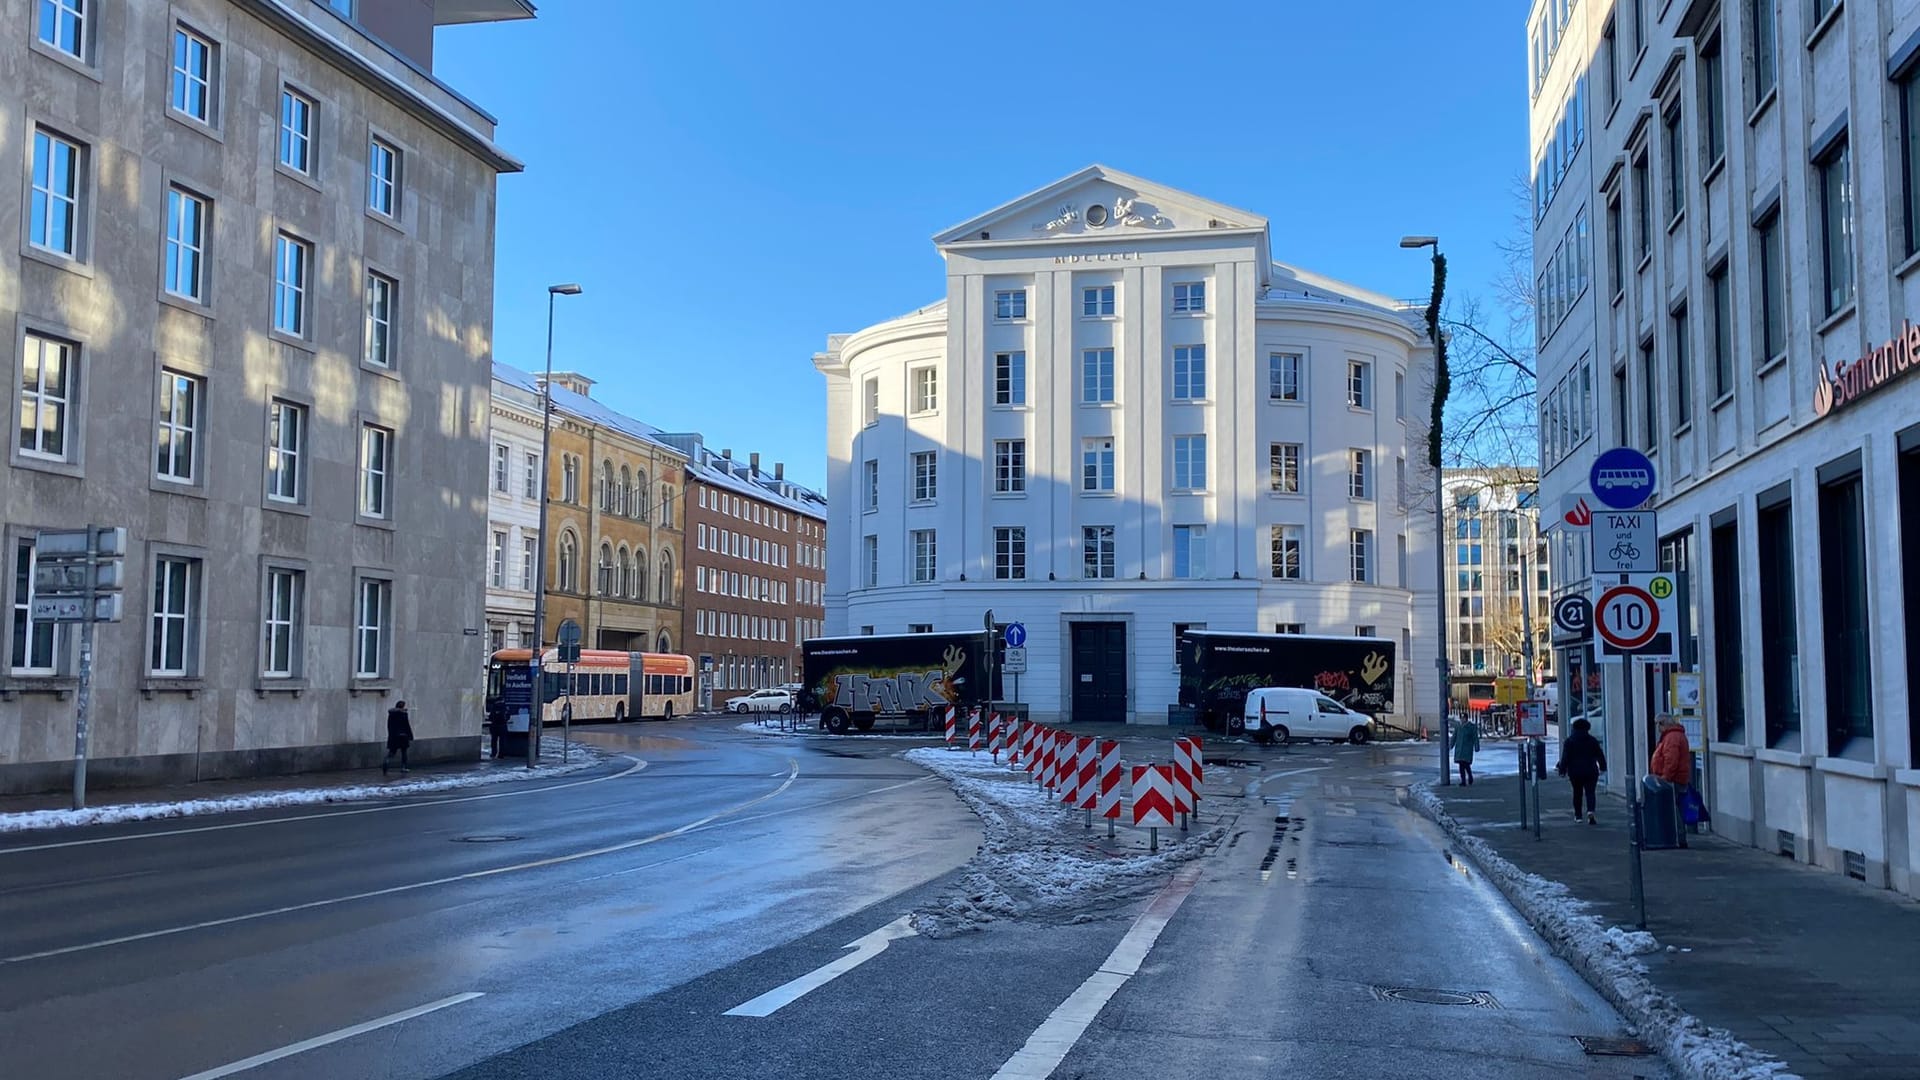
pixel 763 701
pixel 1282 713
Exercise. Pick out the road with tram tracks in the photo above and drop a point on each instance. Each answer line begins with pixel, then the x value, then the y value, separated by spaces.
pixel 714 903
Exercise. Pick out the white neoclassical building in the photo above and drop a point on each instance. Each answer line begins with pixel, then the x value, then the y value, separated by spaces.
pixel 1124 420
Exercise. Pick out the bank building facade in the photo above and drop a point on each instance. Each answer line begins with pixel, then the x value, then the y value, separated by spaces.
pixel 1124 420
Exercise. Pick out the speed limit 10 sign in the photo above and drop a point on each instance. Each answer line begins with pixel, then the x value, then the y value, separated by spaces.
pixel 1637 618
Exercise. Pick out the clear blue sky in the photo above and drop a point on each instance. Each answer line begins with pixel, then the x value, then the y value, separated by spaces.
pixel 732 183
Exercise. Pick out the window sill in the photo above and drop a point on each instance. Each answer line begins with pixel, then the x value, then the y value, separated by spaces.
pixel 1722 401
pixel 1189 491
pixel 1859 770
pixel 295 175
pixel 1360 409
pixel 1286 494
pixel 1019 407
pixel 1285 401
pixel 186 304
pixel 1844 313
pixel 911 502
pixel 381 523
pixel 1733 750
pixel 1907 267
pixel 1908 777
pixel 922 414
pixel 195 124
pixel 1826 23
pixel 1714 170
pixel 1790 758
pixel 1009 494
pixel 1646 260
pixel 60 687
pixel 868 510
pixel 72 264
pixel 1768 367
pixel 65 59
pixel 1190 401
pixel 191 489
pixel 1766 102
pixel 60 467
pixel 1099 494
pixel 391 222
pixel 285 338
pixel 1099 404
pixel 1619 297
pixel 1677 220
pixel 190 685
pixel 1099 318
pixel 381 686
pixel 384 371
pixel 297 508
pixel 267 686
pixel 1683 430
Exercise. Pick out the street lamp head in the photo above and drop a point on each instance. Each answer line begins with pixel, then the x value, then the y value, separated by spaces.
pixel 568 289
pixel 1419 241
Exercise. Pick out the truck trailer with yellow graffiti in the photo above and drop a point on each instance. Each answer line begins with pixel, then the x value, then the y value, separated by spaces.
pixel 1218 668
pixel 894 680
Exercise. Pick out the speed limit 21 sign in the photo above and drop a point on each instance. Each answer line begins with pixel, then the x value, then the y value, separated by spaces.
pixel 1637 618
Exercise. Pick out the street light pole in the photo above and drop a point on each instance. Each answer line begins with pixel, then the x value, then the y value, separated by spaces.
pixel 540 545
pixel 1439 505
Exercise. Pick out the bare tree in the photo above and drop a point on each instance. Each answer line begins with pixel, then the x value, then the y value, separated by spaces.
pixel 1492 412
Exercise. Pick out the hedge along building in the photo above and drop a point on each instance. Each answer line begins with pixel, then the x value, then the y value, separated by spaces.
pixel 1124 420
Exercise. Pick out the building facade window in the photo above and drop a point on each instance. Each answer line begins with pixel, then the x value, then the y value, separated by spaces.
pixel 1010 466
pixel 1729 680
pixel 186 245
pixel 1283 468
pixel 1010 378
pixel 925 555
pixel 382 295
pixel 1190 551
pixel 1190 462
pixel 1773 288
pixel 280 623
pixel 48 381
pixel 1283 377
pixel 1674 146
pixel 1189 297
pixel 63 25
pixel 872 474
pixel 1846 618
pixel 376 452
pixel 296 131
pixel 926 476
pixel 1649 399
pixel 1360 474
pixel 1359 384
pixel 1010 553
pixel 1836 225
pixel 1616 248
pixel 372 631
pixel 497 560
pixel 1287 543
pixel 383 178
pixel 870 561
pixel 286 450
pixel 1642 208
pixel 870 402
pixel 192 88
pixel 926 390
pixel 53 219
pixel 502 467
pixel 1189 372
pixel 566 566
pixel 1096 376
pixel 1682 372
pixel 292 259
pixel 1763 71
pixel 1096 465
pixel 34 642
pixel 177 440
pixel 176 616
pixel 1010 304
pixel 1720 287
pixel 1096 301
pixel 1779 626
pixel 1909 91
pixel 1096 551
pixel 1360 554
pixel 1713 102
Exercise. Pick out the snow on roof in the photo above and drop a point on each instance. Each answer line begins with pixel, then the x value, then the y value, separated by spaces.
pixel 584 407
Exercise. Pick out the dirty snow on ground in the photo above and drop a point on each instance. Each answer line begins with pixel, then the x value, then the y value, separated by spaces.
pixel 582 758
pixel 1038 860
pixel 1605 956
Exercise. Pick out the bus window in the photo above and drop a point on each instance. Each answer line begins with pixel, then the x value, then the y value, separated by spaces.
pixel 496 678
pixel 619 686
pixel 686 684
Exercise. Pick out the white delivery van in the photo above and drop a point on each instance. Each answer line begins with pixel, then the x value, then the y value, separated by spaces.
pixel 1280 713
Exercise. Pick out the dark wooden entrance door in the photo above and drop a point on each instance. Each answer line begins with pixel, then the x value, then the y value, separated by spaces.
pixel 1099 672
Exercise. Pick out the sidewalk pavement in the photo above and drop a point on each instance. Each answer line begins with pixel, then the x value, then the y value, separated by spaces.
pixel 1816 969
pixel 210 796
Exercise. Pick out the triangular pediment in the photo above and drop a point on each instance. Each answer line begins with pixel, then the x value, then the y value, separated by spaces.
pixel 1098 202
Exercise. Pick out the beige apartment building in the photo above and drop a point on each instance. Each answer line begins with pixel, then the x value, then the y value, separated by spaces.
pixel 246 286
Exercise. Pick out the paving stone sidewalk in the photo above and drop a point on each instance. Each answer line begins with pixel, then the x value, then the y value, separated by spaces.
pixel 1821 971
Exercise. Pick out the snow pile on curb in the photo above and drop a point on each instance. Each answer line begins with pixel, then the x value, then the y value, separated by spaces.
pixel 1604 956
pixel 584 758
pixel 1038 860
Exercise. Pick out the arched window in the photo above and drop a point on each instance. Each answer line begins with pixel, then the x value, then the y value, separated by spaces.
pixel 626 489
pixel 606 568
pixel 666 507
pixel 665 643
pixel 567 569
pixel 642 497
pixel 623 578
pixel 569 479
pixel 606 487
pixel 666 577
pixel 640 573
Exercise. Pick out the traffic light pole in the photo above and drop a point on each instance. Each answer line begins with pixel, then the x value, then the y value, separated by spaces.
pixel 83 697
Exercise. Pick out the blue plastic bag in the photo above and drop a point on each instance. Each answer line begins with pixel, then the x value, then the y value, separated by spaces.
pixel 1693 809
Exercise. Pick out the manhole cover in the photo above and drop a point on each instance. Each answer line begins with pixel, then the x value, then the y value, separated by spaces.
pixel 1612 1046
pixel 485 838
pixel 1424 995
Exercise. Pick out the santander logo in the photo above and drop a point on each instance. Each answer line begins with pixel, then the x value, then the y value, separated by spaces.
pixel 1580 516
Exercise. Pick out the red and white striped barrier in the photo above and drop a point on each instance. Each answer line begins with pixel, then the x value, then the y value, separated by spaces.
pixel 1087 790
pixel 1109 791
pixel 973 730
pixel 1049 748
pixel 1013 742
pixel 1079 749
pixel 1025 741
pixel 951 713
pixel 994 734
pixel 1197 758
pixel 1153 800
pixel 1182 777
pixel 1062 762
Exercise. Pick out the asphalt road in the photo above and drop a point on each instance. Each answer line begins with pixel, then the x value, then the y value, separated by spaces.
pixel 682 921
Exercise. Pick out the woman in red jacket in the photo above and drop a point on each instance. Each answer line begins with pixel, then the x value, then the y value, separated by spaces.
pixel 1673 762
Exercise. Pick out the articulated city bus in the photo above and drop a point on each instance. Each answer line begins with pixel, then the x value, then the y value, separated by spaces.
pixel 601 685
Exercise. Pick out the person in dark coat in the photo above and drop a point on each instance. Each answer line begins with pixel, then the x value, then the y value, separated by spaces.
pixel 496 727
pixel 399 737
pixel 1582 761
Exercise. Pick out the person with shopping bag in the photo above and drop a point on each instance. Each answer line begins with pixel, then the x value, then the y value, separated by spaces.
pixel 1672 762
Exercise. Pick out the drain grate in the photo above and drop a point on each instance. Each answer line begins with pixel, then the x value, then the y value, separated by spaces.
pixel 1612 1046
pixel 484 838
pixel 1426 995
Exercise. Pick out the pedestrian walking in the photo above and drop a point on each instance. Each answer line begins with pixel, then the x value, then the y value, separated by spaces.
pixel 1582 760
pixel 1466 743
pixel 1672 761
pixel 496 727
pixel 399 737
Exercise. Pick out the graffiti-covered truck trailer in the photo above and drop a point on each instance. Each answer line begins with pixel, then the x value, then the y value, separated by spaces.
pixel 1217 669
pixel 892 680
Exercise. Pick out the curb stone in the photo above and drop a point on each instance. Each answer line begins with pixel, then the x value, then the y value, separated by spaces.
pixel 1685 1042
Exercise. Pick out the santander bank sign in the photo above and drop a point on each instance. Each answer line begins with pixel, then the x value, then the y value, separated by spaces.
pixel 1849 381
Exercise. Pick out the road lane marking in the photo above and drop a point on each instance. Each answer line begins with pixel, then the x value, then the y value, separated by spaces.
pixel 1254 786
pixel 473 875
pixel 864 949
pixel 1047 1047
pixel 331 1037
pixel 628 771
pixel 646 866
pixel 729 823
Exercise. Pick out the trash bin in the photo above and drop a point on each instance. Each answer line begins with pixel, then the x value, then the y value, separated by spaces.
pixel 1659 815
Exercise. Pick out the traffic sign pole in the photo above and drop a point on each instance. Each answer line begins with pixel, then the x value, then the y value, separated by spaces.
pixel 1624 479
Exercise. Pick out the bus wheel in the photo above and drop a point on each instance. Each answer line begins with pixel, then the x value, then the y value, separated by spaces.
pixel 620 713
pixel 668 715
pixel 835 722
